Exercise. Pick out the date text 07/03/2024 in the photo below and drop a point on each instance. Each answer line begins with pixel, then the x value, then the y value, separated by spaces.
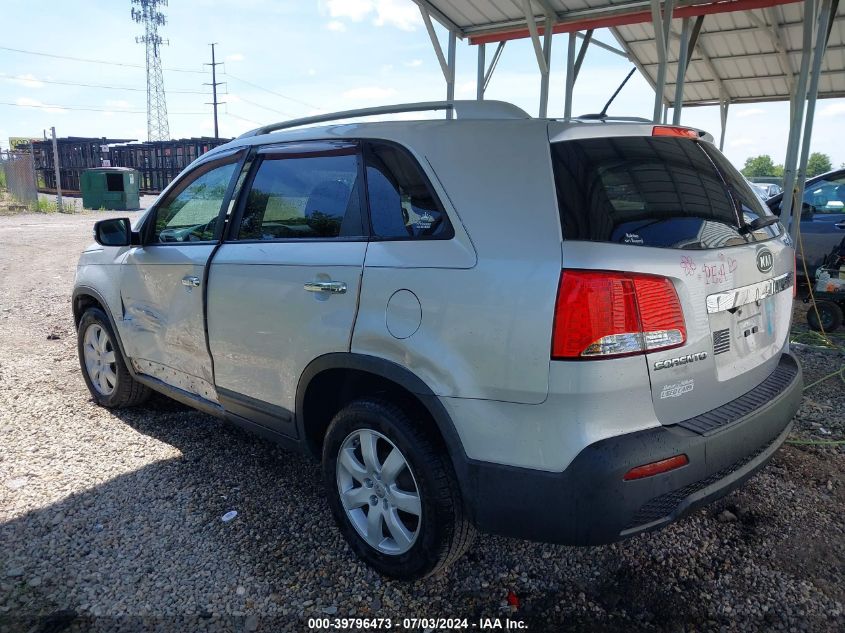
pixel 411 624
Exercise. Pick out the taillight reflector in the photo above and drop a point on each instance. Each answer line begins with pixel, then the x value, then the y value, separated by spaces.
pixel 671 130
pixel 655 468
pixel 601 314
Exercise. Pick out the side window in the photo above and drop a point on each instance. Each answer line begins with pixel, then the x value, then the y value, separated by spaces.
pixel 402 204
pixel 304 195
pixel 190 211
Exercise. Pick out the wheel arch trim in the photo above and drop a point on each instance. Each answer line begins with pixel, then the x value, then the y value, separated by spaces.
pixel 80 291
pixel 395 373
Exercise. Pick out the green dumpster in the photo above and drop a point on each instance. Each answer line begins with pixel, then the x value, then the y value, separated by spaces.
pixel 110 188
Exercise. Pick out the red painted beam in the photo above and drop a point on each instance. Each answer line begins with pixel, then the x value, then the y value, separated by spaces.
pixel 636 17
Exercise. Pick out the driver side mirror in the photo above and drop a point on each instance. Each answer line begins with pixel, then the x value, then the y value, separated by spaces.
pixel 113 232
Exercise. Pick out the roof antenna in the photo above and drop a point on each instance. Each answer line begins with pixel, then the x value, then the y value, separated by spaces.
pixel 603 113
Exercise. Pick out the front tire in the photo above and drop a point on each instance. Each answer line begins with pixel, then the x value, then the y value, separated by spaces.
pixel 393 491
pixel 103 367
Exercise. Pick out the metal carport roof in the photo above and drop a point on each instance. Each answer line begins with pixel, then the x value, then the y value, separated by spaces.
pixel 744 56
pixel 692 52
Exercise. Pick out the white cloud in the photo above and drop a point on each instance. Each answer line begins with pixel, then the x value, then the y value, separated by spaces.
pixel 368 93
pixel 231 97
pixel 742 142
pixel 355 10
pixel 399 13
pixel 833 109
pixel 117 103
pixel 466 89
pixel 34 103
pixel 414 63
pixel 336 26
pixel 30 81
pixel 235 57
pixel 311 72
pixel 743 114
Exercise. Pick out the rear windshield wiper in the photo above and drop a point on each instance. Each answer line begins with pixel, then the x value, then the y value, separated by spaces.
pixel 758 223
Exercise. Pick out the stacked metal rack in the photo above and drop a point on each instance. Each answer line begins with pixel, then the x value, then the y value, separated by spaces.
pixel 157 162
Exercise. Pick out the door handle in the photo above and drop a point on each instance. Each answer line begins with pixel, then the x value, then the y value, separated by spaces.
pixel 191 281
pixel 335 287
pixel 840 225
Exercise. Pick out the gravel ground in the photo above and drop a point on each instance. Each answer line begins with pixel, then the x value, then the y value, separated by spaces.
pixel 111 520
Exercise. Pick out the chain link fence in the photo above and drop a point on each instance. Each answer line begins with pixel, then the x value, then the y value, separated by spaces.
pixel 17 175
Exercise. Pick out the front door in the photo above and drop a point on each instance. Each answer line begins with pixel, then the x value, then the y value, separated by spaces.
pixel 162 281
pixel 283 289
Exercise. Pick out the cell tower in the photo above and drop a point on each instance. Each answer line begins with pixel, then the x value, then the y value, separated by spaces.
pixel 148 13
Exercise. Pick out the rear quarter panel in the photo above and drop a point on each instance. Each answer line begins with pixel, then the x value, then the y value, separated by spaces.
pixel 487 296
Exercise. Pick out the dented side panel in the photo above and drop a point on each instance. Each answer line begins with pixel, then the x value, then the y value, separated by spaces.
pixel 163 318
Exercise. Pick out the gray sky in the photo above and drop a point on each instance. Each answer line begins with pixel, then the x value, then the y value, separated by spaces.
pixel 285 59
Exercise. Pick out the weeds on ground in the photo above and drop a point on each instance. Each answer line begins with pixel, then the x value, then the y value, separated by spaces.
pixel 48 205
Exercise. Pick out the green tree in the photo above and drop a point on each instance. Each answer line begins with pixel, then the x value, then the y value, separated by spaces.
pixel 818 163
pixel 756 166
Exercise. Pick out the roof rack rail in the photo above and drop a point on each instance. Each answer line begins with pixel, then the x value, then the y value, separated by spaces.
pixel 465 109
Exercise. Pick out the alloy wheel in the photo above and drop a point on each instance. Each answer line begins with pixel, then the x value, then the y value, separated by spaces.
pixel 378 491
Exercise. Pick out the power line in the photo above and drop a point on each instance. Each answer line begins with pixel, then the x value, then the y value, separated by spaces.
pixel 273 92
pixel 85 108
pixel 242 118
pixel 258 105
pixel 103 86
pixel 96 61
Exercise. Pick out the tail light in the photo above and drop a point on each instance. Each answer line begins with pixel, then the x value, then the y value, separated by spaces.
pixel 603 314
pixel 673 130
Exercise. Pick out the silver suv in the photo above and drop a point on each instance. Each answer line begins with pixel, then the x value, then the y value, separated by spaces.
pixel 569 331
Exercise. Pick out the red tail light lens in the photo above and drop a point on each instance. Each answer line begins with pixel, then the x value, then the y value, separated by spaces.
pixel 671 130
pixel 602 314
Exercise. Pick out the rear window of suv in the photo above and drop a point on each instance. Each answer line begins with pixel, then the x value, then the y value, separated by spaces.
pixel 653 191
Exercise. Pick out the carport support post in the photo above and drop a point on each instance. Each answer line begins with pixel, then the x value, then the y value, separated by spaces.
pixel 661 37
pixel 56 167
pixel 797 111
pixel 570 77
pixel 450 76
pixel 544 78
pixel 479 88
pixel 683 59
pixel 828 10
pixel 448 67
pixel 723 114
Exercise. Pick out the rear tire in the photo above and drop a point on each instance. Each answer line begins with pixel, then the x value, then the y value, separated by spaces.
pixel 426 542
pixel 830 313
pixel 103 367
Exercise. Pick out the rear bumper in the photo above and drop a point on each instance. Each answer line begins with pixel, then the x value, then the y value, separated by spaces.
pixel 590 504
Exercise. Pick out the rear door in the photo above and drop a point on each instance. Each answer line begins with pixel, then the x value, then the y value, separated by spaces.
pixel 283 288
pixel 675 207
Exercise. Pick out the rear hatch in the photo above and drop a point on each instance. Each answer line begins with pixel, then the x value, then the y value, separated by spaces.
pixel 663 201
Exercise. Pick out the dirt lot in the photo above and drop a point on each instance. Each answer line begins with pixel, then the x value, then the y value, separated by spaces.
pixel 111 520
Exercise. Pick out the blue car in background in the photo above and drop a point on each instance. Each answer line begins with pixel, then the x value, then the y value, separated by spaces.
pixel 822 217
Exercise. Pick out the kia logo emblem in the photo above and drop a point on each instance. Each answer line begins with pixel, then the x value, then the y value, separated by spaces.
pixel 765 260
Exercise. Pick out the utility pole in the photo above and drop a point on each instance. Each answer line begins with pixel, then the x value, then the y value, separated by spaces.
pixel 214 83
pixel 56 167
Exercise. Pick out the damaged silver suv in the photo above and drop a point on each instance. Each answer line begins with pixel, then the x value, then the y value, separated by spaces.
pixel 569 331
